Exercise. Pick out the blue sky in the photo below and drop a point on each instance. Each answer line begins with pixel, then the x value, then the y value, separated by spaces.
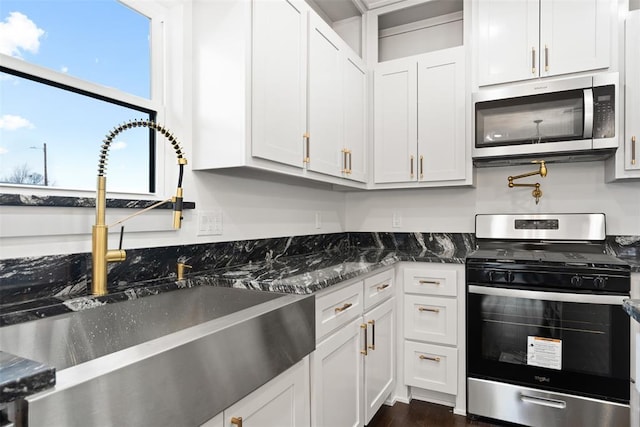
pixel 101 41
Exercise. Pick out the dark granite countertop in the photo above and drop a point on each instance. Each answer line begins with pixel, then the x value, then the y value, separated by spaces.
pixel 304 274
pixel 20 377
pixel 632 307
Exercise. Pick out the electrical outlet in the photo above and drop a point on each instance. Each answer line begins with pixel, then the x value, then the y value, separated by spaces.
pixel 396 220
pixel 318 220
pixel 210 223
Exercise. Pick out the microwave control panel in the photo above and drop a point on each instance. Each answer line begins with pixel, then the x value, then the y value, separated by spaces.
pixel 604 112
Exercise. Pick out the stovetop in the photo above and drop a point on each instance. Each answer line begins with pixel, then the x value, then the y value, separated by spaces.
pixel 562 267
pixel 571 255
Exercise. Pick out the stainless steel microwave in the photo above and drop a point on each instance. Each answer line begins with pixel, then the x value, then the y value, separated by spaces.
pixel 570 119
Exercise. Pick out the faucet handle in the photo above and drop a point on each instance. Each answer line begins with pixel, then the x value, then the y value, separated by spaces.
pixel 180 269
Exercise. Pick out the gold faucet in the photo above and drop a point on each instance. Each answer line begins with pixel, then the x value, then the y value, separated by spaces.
pixel 537 192
pixel 180 269
pixel 100 254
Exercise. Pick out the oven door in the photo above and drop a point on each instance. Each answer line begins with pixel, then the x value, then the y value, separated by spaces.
pixel 564 342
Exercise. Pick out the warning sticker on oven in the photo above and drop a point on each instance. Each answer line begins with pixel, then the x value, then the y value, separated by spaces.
pixel 544 352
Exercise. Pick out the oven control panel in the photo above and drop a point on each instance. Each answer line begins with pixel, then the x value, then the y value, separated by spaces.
pixel 563 279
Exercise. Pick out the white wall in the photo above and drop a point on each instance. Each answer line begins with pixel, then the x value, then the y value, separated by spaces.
pixel 577 187
pixel 251 208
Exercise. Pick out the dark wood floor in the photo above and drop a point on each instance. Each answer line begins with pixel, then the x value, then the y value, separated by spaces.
pixel 422 414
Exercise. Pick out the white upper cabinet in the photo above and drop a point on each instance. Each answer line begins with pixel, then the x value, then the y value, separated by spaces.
pixel 625 164
pixel 275 88
pixel 507 37
pixel 574 36
pixel 441 113
pixel 524 39
pixel 278 91
pixel 337 105
pixel 325 100
pixel 395 121
pixel 419 117
pixel 354 100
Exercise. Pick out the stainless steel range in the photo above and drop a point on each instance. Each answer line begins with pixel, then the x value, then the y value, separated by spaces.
pixel 547 338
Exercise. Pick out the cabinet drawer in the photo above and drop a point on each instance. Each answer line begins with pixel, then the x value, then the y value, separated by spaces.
pixel 430 281
pixel 431 367
pixel 378 288
pixel 428 318
pixel 337 308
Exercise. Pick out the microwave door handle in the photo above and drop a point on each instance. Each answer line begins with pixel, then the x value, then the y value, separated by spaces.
pixel 588 113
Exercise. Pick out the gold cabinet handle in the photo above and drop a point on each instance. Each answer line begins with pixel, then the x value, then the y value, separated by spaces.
pixel 633 150
pixel 421 167
pixel 365 351
pixel 546 57
pixel 236 421
pixel 429 282
pixel 383 287
pixel 344 161
pixel 411 165
pixel 434 359
pixel 432 310
pixel 533 61
pixel 307 157
pixel 343 308
pixel 349 154
pixel 373 334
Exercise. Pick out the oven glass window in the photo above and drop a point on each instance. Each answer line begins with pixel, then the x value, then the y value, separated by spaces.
pixel 550 334
pixel 557 116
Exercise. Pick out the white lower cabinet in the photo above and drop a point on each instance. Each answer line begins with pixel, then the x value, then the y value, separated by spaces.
pixel 336 376
pixel 433 330
pixel 431 367
pixel 283 401
pixel 353 366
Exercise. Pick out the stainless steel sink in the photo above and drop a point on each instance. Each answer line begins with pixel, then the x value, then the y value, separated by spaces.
pixel 176 358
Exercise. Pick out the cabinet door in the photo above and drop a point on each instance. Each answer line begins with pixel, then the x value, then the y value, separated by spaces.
pixel 396 133
pixel 632 94
pixel 379 362
pixel 574 36
pixel 336 377
pixel 429 318
pixel 278 80
pixel 325 99
pixel 507 40
pixel 432 367
pixel 281 402
pixel 441 116
pixel 354 101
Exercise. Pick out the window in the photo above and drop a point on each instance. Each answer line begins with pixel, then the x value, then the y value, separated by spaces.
pixel 69 72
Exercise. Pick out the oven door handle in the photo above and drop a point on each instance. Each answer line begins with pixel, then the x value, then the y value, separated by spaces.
pixel 549 296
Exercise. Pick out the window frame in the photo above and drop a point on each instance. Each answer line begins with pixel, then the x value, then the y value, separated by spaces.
pixel 154 105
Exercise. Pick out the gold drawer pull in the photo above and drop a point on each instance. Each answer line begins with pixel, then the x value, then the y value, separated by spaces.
pixel 383 287
pixel 435 359
pixel 237 421
pixel 633 150
pixel 343 308
pixel 429 282
pixel 433 310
